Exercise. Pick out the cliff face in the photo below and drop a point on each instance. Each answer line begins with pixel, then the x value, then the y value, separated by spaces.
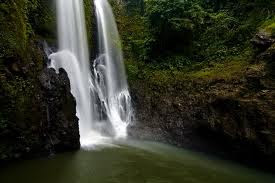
pixel 228 116
pixel 220 98
pixel 37 113
pixel 45 121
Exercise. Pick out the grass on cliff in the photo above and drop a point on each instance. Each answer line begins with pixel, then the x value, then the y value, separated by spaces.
pixel 226 71
pixel 269 26
pixel 203 72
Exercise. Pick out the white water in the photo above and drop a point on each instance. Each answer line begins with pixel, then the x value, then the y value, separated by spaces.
pixel 109 71
pixel 102 96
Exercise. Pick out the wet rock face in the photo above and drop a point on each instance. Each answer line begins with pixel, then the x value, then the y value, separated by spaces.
pixel 262 41
pixel 269 57
pixel 243 122
pixel 264 46
pixel 59 109
pixel 38 113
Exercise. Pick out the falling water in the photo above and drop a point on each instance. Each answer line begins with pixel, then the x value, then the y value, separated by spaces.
pixel 103 103
pixel 109 71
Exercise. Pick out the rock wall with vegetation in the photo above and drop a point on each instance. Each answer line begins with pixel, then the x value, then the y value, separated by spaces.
pixel 201 74
pixel 37 113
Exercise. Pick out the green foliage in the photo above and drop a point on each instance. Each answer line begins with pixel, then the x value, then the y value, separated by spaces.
pixel 88 8
pixel 133 30
pixel 13 30
pixel 22 22
pixel 201 31
pixel 41 18
pixel 153 76
pixel 134 6
pixel 221 38
pixel 195 38
pixel 271 29
pixel 173 24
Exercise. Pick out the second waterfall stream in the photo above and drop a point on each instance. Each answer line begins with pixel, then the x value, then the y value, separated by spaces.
pixel 103 102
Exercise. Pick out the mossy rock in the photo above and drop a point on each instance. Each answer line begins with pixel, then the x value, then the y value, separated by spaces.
pixel 271 29
pixel 270 60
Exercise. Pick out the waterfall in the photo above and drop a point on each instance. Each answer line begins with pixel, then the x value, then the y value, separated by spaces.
pixel 109 70
pixel 103 102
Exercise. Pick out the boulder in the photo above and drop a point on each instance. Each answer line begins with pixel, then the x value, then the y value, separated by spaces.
pixel 38 112
pixel 262 41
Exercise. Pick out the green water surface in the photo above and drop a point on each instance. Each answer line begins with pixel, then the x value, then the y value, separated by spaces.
pixel 131 162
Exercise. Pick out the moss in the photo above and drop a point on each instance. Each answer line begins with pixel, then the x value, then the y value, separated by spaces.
pixel 18 32
pixel 203 72
pixel 42 20
pixel 89 15
pixel 268 26
pixel 133 30
pixel 226 71
pixel 271 29
pixel 13 30
pixel 132 70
